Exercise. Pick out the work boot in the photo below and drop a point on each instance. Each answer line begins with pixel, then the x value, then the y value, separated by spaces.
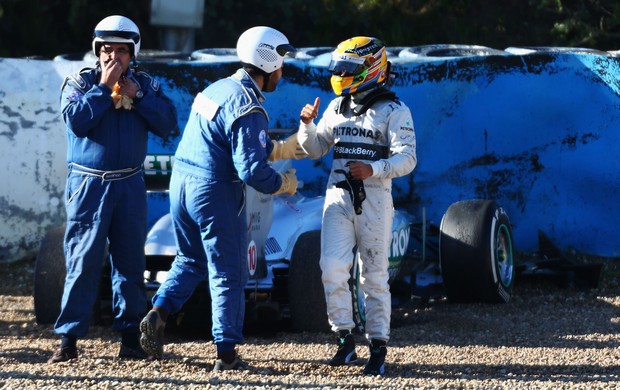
pixel 127 352
pixel 130 345
pixel 152 339
pixel 63 354
pixel 346 349
pixel 376 361
pixel 223 364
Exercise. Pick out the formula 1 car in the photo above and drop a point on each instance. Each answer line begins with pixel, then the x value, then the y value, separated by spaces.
pixel 470 260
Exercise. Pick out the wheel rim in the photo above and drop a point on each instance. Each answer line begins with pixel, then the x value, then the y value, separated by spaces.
pixel 503 255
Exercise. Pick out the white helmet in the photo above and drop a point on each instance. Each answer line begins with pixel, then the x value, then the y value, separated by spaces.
pixel 263 47
pixel 116 29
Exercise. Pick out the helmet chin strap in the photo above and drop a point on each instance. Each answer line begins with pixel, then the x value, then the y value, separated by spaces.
pixel 266 78
pixel 389 75
pixel 255 71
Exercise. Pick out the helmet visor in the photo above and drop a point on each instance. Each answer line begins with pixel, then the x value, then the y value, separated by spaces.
pixel 346 65
pixel 285 48
pixel 134 36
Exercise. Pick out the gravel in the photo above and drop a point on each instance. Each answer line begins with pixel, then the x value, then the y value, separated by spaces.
pixel 547 337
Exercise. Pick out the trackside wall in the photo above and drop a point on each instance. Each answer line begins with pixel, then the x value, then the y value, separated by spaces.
pixel 538 132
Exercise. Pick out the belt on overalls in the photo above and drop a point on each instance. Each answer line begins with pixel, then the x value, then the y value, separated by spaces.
pixel 118 174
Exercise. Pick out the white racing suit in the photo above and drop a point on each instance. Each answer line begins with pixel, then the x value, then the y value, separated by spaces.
pixel 360 213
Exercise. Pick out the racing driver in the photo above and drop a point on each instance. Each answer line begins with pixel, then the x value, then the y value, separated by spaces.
pixel 371 133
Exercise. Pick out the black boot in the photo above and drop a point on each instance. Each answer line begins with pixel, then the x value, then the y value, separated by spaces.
pixel 66 351
pixel 376 361
pixel 130 346
pixel 346 349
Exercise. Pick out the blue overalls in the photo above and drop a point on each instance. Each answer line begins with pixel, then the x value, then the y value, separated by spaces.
pixel 106 196
pixel 224 146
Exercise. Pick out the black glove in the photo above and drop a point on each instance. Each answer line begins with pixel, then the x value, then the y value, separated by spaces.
pixel 356 189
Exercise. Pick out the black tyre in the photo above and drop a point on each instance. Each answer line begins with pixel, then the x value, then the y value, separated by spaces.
pixel 476 252
pixel 195 317
pixel 306 293
pixel 49 282
pixel 49 276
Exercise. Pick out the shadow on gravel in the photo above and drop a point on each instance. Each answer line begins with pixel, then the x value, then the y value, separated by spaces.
pixel 539 315
pixel 68 380
pixel 522 373
pixel 29 355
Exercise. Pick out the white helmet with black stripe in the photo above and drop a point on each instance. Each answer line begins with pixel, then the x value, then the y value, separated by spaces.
pixel 116 29
pixel 264 48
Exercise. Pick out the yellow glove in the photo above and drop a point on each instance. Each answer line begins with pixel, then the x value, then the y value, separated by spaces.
pixel 289 183
pixel 289 148
pixel 121 100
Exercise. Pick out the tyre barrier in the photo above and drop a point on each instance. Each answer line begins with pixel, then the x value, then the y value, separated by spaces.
pixel 494 124
pixel 143 56
pixel 425 52
pixel 309 53
pixel 215 55
pixel 524 50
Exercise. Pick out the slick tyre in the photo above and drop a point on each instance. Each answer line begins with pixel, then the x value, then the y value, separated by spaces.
pixel 49 281
pixel 306 293
pixel 49 276
pixel 476 252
